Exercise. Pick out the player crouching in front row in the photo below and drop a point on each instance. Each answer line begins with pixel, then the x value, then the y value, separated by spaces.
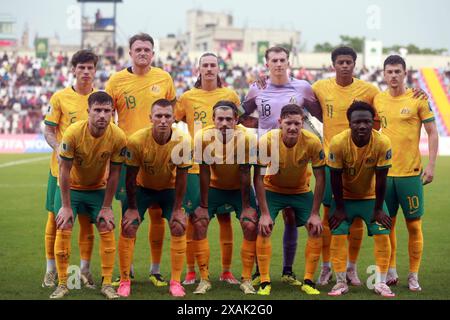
pixel 289 150
pixel 88 148
pixel 359 159
pixel 159 157
pixel 224 152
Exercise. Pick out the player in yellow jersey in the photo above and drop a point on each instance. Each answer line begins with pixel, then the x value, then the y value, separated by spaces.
pixel 91 154
pixel 359 159
pixel 158 156
pixel 335 96
pixel 280 91
pixel 224 152
pixel 286 184
pixel 68 106
pixel 195 108
pixel 134 90
pixel 402 118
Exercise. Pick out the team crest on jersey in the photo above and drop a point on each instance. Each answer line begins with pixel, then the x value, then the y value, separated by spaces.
pixel 332 157
pixel 155 88
pixel 128 155
pixel 321 155
pixel 405 110
pixel 389 154
pixel 149 168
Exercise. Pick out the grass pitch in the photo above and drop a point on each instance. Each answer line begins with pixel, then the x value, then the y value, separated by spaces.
pixel 22 257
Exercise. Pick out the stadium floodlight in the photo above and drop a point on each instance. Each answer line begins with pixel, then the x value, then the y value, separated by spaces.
pixel 111 22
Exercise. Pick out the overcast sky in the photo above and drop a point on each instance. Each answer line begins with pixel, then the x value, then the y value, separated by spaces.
pixel 421 22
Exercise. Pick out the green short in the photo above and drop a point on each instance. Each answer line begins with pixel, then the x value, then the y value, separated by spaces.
pixel 362 209
pixel 51 189
pixel 192 197
pixel 328 193
pixel 406 192
pixel 229 200
pixel 301 204
pixel 147 197
pixel 83 202
pixel 121 191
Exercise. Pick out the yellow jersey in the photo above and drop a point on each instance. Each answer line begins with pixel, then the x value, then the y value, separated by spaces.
pixel 401 120
pixel 196 105
pixel 133 96
pixel 158 163
pixel 91 156
pixel 66 107
pixel 359 164
pixel 293 174
pixel 225 159
pixel 335 101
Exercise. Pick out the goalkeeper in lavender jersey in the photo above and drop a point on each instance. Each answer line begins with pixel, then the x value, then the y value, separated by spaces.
pixel 269 101
pixel 280 90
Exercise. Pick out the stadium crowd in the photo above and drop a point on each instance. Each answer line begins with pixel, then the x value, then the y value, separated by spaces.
pixel 27 83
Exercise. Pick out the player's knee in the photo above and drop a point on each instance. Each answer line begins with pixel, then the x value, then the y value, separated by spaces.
pixel 130 231
pixel 289 216
pixel 177 228
pixel 200 228
pixel 250 230
pixel 414 226
pixel 103 227
pixel 65 228
pixel 155 216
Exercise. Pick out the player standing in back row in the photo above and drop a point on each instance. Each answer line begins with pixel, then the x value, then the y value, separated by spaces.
pixel 68 106
pixel 134 90
pixel 280 91
pixel 401 119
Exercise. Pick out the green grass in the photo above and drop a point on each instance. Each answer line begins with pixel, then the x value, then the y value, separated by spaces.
pixel 22 258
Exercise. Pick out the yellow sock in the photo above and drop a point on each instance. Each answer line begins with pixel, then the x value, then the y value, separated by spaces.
pixel 202 257
pixel 393 240
pixel 312 256
pixel 338 253
pixel 50 235
pixel 226 243
pixel 85 237
pixel 156 231
pixel 382 250
pixel 62 254
pixel 415 244
pixel 326 236
pixel 126 251
pixel 264 255
pixel 107 254
pixel 355 239
pixel 190 248
pixel 248 252
pixel 177 253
